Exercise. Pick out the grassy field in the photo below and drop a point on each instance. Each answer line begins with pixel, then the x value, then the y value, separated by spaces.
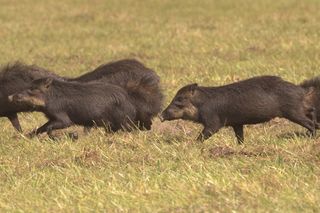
pixel 211 42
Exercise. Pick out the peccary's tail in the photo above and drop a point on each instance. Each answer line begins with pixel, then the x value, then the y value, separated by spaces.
pixel 146 93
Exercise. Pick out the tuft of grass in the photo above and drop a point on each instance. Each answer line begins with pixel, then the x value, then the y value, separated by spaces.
pixel 163 170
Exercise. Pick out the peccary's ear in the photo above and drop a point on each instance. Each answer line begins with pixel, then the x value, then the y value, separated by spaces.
pixel 47 83
pixel 193 88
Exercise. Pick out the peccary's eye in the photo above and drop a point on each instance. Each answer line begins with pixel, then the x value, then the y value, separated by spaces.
pixel 32 91
pixel 179 99
pixel 179 104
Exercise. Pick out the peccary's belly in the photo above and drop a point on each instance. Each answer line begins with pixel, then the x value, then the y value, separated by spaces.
pixel 249 116
pixel 231 121
pixel 88 117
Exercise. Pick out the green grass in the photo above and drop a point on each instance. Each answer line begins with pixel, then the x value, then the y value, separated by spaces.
pixel 211 42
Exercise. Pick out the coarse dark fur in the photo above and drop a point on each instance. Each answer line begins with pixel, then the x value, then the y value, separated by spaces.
pixel 88 104
pixel 141 83
pixel 250 101
pixel 313 85
pixel 14 78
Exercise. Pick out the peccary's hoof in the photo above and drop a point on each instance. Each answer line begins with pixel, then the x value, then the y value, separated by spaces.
pixel 73 136
pixel 54 137
pixel 31 134
pixel 311 134
pixel 200 138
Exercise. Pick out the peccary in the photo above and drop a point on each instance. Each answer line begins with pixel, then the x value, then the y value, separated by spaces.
pixel 141 83
pixel 250 101
pixel 88 104
pixel 14 78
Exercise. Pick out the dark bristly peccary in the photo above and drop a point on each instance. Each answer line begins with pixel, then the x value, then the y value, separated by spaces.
pixel 141 83
pixel 88 104
pixel 14 78
pixel 250 101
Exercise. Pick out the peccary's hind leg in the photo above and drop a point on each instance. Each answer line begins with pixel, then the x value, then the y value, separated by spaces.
pixel 312 114
pixel 15 121
pixel 49 126
pixel 145 125
pixel 61 121
pixel 144 121
pixel 238 130
pixel 111 127
pixel 128 125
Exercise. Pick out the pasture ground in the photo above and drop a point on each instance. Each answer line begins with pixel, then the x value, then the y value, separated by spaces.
pixel 211 42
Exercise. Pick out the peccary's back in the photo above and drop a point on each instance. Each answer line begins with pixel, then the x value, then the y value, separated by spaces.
pixel 86 102
pixel 115 72
pixel 255 100
pixel 140 82
pixel 15 78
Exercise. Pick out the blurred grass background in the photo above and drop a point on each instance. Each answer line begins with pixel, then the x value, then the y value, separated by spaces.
pixel 211 42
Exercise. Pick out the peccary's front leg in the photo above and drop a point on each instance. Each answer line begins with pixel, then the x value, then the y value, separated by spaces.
pixel 206 133
pixel 238 130
pixel 209 129
pixel 41 129
pixel 15 121
pixel 57 124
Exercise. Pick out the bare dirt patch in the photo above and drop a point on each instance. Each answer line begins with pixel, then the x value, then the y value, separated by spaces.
pixel 89 157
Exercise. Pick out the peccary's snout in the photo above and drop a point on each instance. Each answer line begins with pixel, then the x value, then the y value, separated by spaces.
pixel 163 116
pixel 10 98
pixel 15 97
pixel 169 114
pixel 25 98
